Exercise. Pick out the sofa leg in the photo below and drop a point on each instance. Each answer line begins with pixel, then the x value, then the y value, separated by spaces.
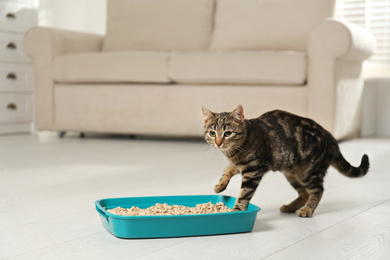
pixel 82 135
pixel 61 134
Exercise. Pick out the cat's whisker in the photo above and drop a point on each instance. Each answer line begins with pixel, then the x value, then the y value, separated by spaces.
pixel 203 141
pixel 210 150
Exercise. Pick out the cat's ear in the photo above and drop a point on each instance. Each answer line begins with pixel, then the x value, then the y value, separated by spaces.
pixel 238 113
pixel 207 114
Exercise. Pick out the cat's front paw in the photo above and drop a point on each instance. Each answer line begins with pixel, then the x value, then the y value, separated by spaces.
pixel 219 188
pixel 305 213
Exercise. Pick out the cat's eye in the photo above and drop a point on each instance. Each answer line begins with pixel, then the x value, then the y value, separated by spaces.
pixel 212 134
pixel 228 133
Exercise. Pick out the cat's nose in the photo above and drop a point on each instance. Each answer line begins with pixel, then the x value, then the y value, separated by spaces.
pixel 218 143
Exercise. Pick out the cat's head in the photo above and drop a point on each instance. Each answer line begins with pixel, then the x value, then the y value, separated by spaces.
pixel 224 130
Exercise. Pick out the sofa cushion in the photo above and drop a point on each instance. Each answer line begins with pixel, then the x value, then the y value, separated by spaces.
pixel 267 24
pixel 239 67
pixel 158 25
pixel 111 67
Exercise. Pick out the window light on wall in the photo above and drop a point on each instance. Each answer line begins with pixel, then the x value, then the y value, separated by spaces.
pixel 373 15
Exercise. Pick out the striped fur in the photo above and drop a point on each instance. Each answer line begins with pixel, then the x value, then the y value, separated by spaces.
pixel 277 141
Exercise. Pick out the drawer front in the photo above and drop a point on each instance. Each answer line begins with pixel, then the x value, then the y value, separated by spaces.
pixel 16 77
pixel 17 16
pixel 11 47
pixel 16 108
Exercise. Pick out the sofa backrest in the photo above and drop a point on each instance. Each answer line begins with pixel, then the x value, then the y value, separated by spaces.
pixel 158 25
pixel 267 24
pixel 195 25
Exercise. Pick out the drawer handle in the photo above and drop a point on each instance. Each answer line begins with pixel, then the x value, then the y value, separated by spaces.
pixel 12 106
pixel 11 46
pixel 11 16
pixel 12 76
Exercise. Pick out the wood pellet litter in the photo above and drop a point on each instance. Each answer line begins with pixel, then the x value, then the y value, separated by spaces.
pixel 165 209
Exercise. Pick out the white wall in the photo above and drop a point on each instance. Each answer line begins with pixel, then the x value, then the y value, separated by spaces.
pixel 76 15
pixel 376 107
pixel 376 100
pixel 383 109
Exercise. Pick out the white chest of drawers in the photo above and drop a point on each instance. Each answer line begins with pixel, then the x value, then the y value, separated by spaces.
pixel 16 71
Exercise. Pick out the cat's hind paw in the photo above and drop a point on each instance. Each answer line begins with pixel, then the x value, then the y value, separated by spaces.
pixel 287 209
pixel 305 213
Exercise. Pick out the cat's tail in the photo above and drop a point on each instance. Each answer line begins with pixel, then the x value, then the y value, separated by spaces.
pixel 344 167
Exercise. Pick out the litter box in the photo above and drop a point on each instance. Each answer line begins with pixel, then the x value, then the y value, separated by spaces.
pixel 175 225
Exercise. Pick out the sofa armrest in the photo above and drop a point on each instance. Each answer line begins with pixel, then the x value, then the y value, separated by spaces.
pixel 340 40
pixel 336 51
pixel 44 43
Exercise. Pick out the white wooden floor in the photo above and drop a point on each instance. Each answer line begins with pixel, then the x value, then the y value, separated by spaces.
pixel 48 187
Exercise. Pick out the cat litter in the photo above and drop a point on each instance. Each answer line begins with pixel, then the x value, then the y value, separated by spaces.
pixel 177 216
pixel 165 209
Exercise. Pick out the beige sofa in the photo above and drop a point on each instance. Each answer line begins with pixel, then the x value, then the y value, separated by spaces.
pixel 161 60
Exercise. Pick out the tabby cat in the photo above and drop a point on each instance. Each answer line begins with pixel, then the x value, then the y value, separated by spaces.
pixel 277 141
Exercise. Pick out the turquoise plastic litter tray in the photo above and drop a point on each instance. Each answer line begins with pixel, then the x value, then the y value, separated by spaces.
pixel 174 225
